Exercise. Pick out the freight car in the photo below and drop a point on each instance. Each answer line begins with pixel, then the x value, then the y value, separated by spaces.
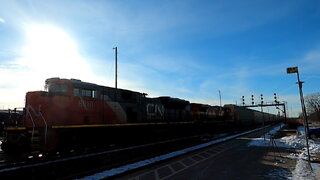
pixel 244 116
pixel 10 117
pixel 73 113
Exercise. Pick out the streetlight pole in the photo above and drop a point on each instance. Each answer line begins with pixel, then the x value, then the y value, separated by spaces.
pixel 303 107
pixel 304 112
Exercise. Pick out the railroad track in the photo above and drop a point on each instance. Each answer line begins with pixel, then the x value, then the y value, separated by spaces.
pixel 56 168
pixel 201 154
pixel 81 165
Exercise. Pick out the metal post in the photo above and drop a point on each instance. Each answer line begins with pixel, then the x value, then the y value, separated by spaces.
pixel 220 97
pixel 285 113
pixel 116 71
pixel 220 108
pixel 304 115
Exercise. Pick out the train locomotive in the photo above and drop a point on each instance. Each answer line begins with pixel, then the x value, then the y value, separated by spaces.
pixel 71 113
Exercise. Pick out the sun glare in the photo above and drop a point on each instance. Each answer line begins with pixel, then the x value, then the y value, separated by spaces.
pixel 52 52
pixel 48 52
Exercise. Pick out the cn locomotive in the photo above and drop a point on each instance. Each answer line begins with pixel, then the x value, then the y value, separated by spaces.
pixel 71 113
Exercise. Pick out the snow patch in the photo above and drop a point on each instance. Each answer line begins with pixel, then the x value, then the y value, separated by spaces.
pixel 278 174
pixel 264 140
pixel 302 169
pixel 298 142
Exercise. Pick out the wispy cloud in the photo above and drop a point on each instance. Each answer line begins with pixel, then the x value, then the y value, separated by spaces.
pixel 310 62
pixel 313 56
pixel 2 20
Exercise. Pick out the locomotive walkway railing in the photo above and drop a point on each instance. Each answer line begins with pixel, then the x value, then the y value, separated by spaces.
pixel 33 125
pixel 39 114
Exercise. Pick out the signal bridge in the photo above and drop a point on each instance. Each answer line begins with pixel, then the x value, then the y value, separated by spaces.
pixel 276 104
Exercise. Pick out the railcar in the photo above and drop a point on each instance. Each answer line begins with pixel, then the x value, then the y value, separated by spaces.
pixel 245 117
pixel 205 112
pixel 10 117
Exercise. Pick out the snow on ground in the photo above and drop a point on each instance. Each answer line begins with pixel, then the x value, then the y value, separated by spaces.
pixel 264 140
pixel 298 142
pixel 278 174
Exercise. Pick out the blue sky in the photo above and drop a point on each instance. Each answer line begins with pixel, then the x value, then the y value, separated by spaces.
pixel 186 48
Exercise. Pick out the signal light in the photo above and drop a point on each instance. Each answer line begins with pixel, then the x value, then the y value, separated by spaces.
pixel 261 97
pixel 252 98
pixel 243 101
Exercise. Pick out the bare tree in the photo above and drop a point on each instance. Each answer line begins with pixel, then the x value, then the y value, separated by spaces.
pixel 313 103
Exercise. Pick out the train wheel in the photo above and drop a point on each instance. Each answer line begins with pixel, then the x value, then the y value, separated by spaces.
pixel 14 143
pixel 5 147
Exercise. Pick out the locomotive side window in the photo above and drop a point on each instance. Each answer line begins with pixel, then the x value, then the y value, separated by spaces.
pixel 151 108
pixel 76 92
pixel 88 93
pixel 94 94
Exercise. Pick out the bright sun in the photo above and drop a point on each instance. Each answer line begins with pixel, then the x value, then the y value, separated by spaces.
pixel 52 52
pixel 48 52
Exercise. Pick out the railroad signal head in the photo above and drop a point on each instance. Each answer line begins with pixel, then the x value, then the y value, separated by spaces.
pixel 261 98
pixel 252 99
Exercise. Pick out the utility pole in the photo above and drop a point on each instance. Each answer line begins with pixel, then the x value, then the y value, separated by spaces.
pixel 220 109
pixel 220 97
pixel 116 71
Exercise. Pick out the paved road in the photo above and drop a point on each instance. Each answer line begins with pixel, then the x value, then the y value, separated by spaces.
pixel 228 160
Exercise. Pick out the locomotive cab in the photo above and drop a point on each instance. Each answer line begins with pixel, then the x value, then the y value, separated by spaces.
pixel 56 87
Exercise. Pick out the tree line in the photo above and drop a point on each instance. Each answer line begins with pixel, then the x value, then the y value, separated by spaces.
pixel 313 106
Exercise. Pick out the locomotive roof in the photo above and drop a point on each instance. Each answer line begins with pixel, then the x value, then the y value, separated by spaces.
pixel 80 84
pixel 174 103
